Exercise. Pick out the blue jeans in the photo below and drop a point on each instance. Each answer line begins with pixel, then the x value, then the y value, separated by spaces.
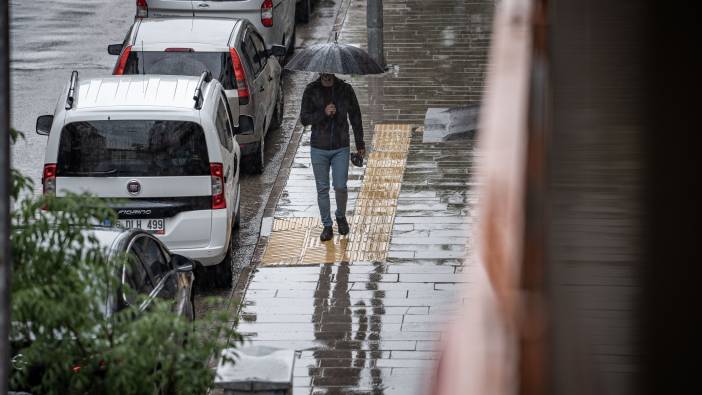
pixel 338 161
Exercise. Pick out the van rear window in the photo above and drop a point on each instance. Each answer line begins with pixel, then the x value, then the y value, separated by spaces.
pixel 132 148
pixel 183 63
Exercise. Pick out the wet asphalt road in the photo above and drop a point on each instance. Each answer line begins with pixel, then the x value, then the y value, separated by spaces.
pixel 50 38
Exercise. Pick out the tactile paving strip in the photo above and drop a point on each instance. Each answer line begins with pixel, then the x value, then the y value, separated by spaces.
pixel 295 241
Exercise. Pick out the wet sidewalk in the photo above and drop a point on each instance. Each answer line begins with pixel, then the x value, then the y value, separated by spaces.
pixel 366 310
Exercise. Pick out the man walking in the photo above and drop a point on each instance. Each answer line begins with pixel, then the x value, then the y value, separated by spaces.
pixel 328 104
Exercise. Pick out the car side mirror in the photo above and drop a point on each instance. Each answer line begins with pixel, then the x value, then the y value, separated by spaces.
pixel 246 125
pixel 114 49
pixel 44 123
pixel 182 264
pixel 277 50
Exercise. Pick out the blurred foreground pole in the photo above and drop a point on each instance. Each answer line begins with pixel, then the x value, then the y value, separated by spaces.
pixel 4 197
pixel 374 23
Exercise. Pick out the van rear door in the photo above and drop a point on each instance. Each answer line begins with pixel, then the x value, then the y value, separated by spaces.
pixel 246 9
pixel 166 8
pixel 158 171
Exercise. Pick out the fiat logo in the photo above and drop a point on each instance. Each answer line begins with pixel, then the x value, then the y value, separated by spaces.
pixel 133 187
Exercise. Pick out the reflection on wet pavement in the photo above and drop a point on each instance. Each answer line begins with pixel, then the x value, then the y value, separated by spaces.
pixel 359 327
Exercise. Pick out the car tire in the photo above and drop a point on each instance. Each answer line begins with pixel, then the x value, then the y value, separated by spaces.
pixel 303 10
pixel 277 118
pixel 291 46
pixel 237 217
pixel 223 273
pixel 258 157
pixel 193 315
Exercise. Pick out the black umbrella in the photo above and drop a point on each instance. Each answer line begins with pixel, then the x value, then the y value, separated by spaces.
pixel 334 58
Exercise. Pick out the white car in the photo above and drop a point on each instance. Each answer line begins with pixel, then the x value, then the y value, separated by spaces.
pixel 232 50
pixel 275 19
pixel 162 149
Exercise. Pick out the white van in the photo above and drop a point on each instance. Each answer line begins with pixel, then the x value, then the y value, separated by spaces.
pixel 163 146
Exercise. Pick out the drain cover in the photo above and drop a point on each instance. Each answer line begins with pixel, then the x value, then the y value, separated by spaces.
pixel 443 124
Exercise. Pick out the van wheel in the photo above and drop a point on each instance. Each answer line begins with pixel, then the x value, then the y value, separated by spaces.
pixel 258 160
pixel 303 9
pixel 291 46
pixel 277 118
pixel 222 273
pixel 237 217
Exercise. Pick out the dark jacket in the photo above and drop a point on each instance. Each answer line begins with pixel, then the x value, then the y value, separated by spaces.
pixel 332 133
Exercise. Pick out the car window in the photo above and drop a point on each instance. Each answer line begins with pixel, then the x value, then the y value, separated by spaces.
pixel 152 257
pixel 183 63
pixel 127 148
pixel 223 128
pixel 260 48
pixel 251 55
pixel 137 278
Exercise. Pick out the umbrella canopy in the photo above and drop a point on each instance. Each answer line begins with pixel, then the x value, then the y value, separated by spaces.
pixel 334 58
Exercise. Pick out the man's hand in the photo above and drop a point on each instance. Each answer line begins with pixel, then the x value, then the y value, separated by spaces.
pixel 362 152
pixel 330 110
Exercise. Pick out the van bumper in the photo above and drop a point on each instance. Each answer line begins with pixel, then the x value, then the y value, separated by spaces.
pixel 220 236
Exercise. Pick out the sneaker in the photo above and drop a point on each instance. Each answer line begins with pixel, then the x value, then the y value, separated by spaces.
pixel 327 233
pixel 343 225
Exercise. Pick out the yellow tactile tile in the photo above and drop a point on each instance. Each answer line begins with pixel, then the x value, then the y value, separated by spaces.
pixel 295 241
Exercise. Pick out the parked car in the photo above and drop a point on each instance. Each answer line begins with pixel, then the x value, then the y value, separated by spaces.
pixel 274 19
pixel 232 50
pixel 152 271
pixel 164 145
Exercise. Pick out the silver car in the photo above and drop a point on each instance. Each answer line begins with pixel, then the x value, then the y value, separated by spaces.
pixel 233 50
pixel 153 271
pixel 274 19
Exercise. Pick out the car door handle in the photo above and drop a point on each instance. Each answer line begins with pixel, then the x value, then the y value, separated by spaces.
pixel 203 5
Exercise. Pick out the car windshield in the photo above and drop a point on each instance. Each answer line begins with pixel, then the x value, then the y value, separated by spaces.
pixel 132 149
pixel 182 63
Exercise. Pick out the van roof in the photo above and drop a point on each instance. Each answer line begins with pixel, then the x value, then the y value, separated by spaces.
pixel 136 91
pixel 209 31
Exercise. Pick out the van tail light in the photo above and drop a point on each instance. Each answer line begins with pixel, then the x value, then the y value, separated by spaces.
pixel 122 62
pixel 267 13
pixel 217 173
pixel 240 75
pixel 48 179
pixel 142 9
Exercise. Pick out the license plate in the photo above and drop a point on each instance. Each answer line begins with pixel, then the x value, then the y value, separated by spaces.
pixel 151 225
